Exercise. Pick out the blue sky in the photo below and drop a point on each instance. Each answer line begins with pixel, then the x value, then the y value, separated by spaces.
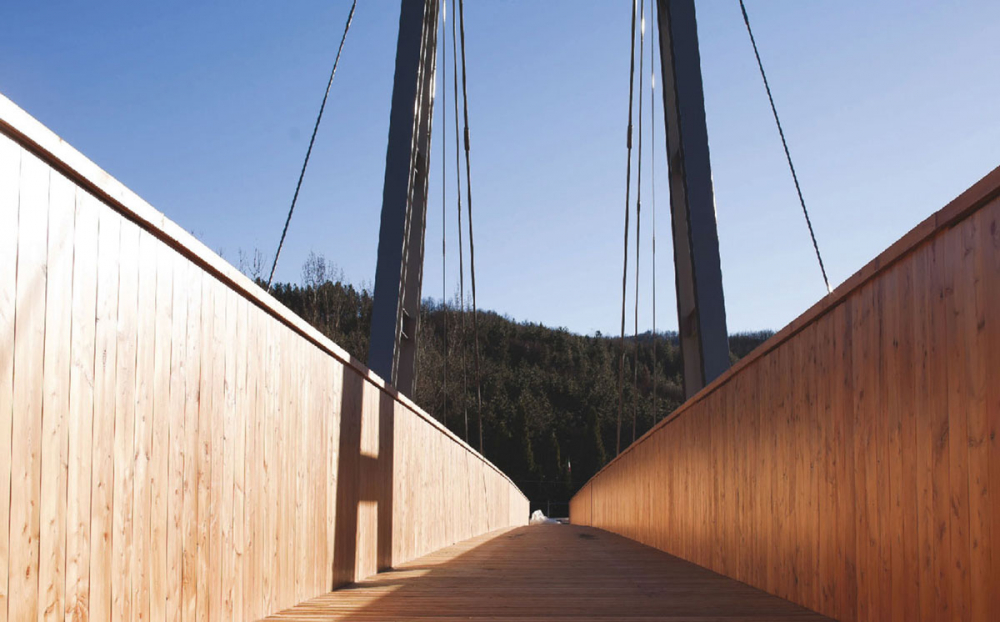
pixel 205 109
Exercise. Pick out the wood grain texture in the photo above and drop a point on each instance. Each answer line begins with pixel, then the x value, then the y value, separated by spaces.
pixel 856 449
pixel 548 572
pixel 55 402
pixel 10 172
pixel 81 404
pixel 175 444
pixel 27 353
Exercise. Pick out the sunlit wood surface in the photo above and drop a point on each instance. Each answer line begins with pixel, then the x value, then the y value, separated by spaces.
pixel 548 572
pixel 174 443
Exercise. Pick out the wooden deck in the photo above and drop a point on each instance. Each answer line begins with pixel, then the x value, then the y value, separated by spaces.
pixel 548 572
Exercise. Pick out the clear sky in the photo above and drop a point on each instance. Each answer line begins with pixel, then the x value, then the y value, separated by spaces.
pixel 891 109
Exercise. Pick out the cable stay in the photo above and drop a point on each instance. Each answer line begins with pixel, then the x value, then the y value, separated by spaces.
pixel 652 178
pixel 628 187
pixel 784 143
pixel 444 208
pixel 472 246
pixel 319 117
pixel 638 222
pixel 461 268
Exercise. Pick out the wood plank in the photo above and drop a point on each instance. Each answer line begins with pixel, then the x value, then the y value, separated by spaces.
pixel 253 535
pixel 81 407
pixel 285 538
pixel 10 172
pixel 270 470
pixel 141 550
pixel 217 492
pixel 927 527
pixel 124 422
pixel 300 443
pixel 241 414
pixel 162 445
pixel 843 411
pixel 226 570
pixel 887 455
pixel 955 315
pixel 26 427
pixel 907 478
pixel 824 420
pixel 893 479
pixel 179 448
pixel 989 255
pixel 55 401
pixel 105 369
pixel 206 439
pixel 970 295
pixel 940 432
pixel 190 533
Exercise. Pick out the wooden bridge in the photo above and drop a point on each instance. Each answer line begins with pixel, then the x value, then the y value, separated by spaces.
pixel 176 445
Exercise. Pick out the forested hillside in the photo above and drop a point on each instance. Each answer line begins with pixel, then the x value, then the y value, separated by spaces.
pixel 549 396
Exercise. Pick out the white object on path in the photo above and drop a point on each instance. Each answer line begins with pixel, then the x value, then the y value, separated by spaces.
pixel 537 518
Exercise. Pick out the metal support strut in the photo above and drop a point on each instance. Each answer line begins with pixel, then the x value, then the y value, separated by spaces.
pixel 399 273
pixel 701 307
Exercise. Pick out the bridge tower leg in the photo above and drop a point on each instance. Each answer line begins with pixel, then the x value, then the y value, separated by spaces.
pixel 399 273
pixel 701 307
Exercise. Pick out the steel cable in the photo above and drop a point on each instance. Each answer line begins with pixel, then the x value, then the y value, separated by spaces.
pixel 652 175
pixel 628 187
pixel 638 222
pixel 784 143
pixel 319 117
pixel 472 244
pixel 461 253
pixel 444 208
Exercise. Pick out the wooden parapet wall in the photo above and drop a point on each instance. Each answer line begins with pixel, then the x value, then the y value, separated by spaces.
pixel 175 444
pixel 851 463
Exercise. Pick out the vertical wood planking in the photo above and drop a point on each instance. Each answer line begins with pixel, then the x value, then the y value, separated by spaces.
pixel 972 336
pixel 161 445
pixel 241 415
pixel 871 456
pixel 956 313
pixel 988 250
pixel 81 407
pixel 55 402
pixel 170 443
pixel 29 335
pixel 251 476
pixel 191 488
pixel 142 440
pixel 203 572
pixel 225 571
pixel 105 370
pixel 940 431
pixel 124 422
pixel 10 171
pixel 174 413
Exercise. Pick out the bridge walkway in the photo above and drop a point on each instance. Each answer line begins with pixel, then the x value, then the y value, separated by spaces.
pixel 548 572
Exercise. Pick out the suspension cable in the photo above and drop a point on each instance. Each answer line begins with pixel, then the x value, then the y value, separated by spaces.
pixel 461 268
pixel 628 187
pixel 472 245
pixel 444 208
pixel 302 173
pixel 784 143
pixel 638 220
pixel 652 175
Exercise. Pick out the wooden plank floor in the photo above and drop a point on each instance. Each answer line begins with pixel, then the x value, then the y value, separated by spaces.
pixel 548 572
